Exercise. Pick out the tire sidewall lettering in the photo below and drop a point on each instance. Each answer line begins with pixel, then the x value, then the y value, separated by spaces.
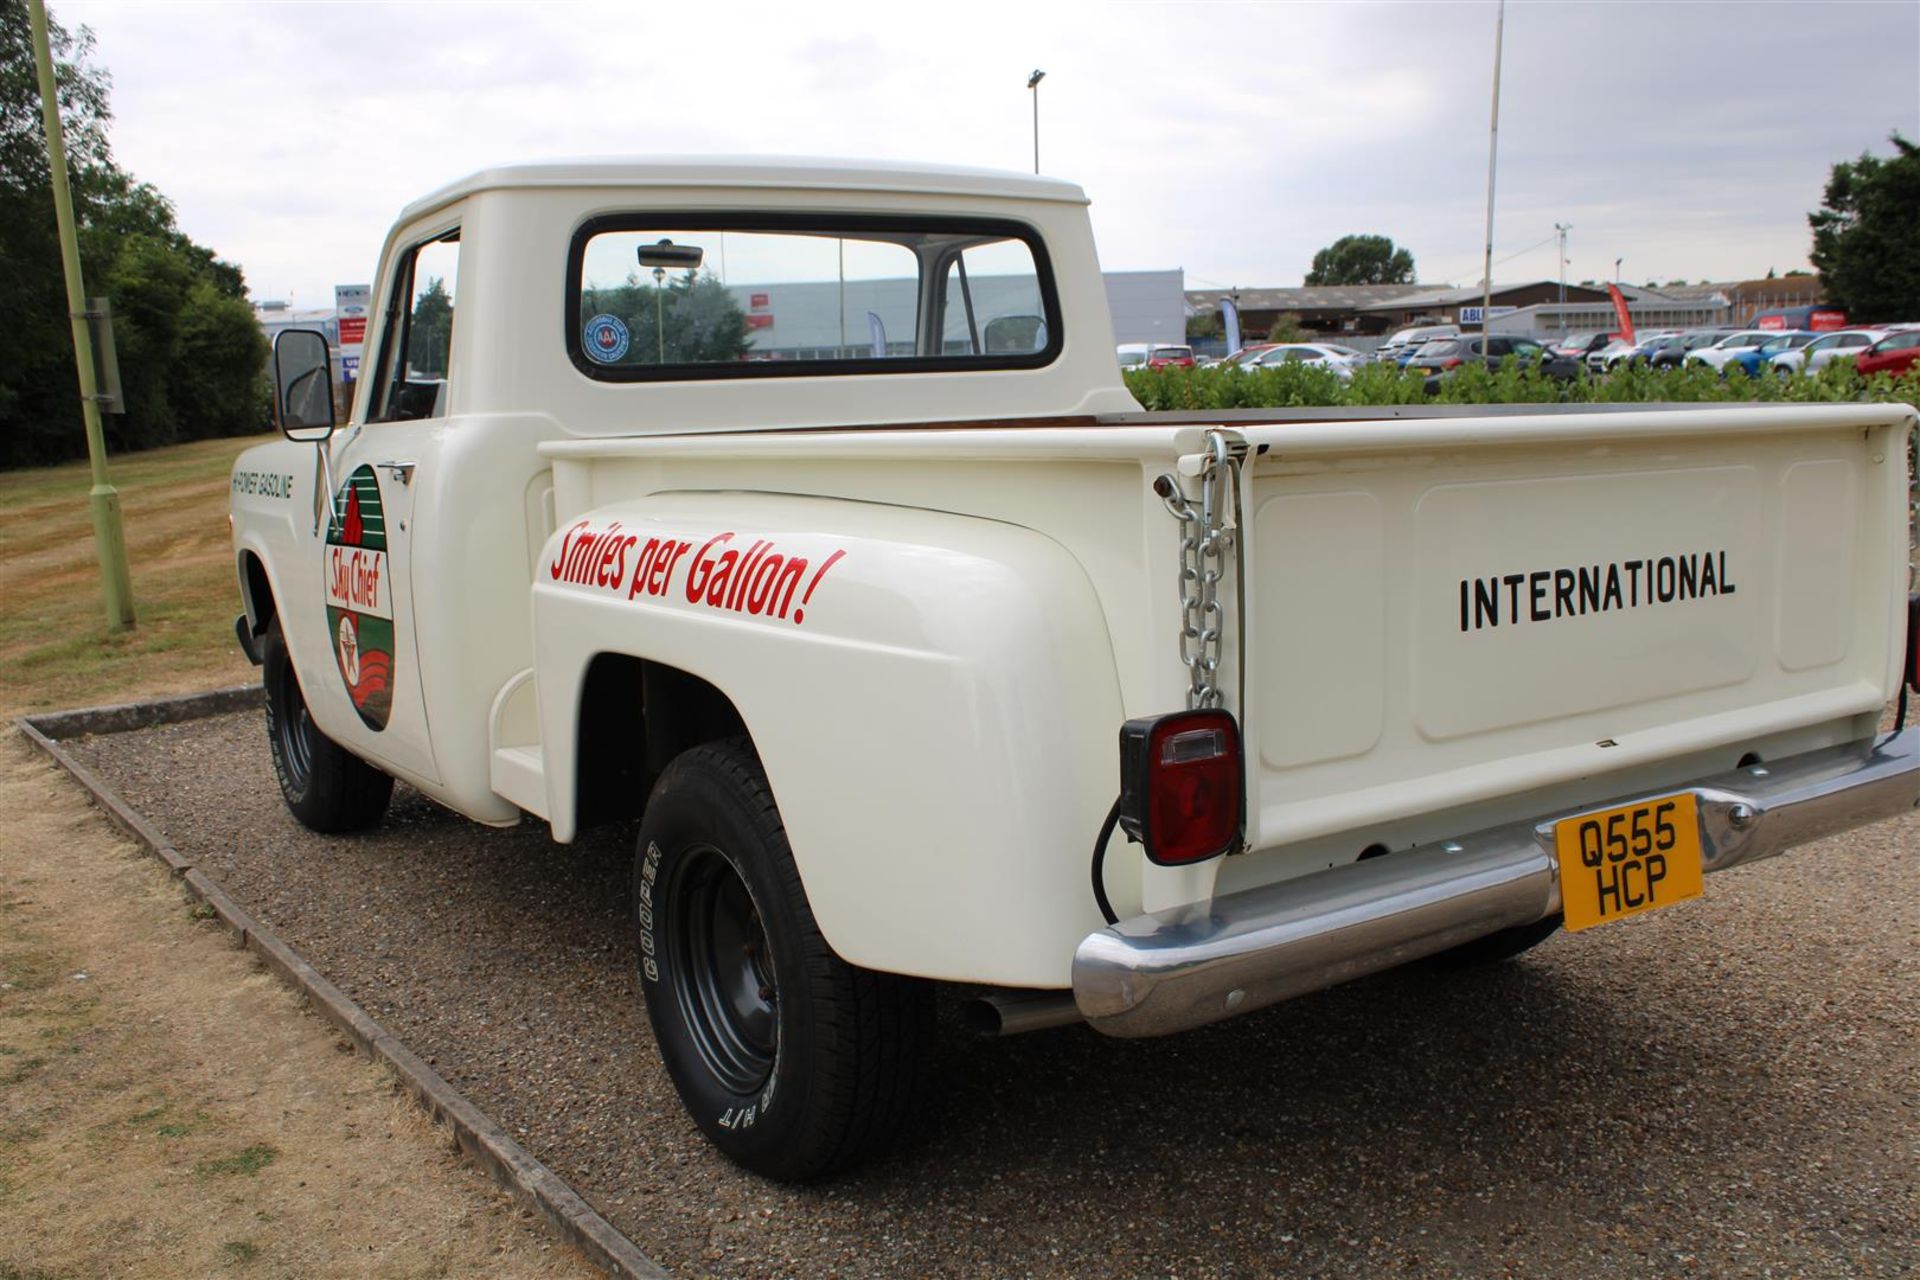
pixel 649 950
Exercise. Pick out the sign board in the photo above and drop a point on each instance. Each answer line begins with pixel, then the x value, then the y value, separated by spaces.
pixel 1825 321
pixel 350 367
pixel 351 303
pixel 1471 315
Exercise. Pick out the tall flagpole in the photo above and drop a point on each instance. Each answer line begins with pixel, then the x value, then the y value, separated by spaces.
pixel 1493 154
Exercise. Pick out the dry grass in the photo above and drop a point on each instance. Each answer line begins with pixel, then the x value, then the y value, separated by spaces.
pixel 55 649
pixel 167 1108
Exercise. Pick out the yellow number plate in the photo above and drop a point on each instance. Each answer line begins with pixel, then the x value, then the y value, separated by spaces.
pixel 1620 862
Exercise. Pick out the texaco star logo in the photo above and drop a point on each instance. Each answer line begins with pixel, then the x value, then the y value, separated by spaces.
pixel 349 649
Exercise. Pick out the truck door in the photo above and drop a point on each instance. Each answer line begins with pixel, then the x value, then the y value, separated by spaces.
pixel 380 467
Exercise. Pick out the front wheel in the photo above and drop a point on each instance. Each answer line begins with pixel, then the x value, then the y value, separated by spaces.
pixel 794 1063
pixel 326 786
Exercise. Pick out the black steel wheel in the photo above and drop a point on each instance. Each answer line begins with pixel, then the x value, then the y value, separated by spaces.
pixel 722 976
pixel 794 1063
pixel 326 787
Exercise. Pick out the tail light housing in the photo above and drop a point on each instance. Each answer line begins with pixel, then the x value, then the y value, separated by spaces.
pixel 1180 785
pixel 1451 362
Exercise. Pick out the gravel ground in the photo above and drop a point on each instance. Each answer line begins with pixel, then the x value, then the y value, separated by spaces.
pixel 1728 1088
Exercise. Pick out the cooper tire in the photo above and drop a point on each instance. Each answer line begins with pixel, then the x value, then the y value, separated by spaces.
pixel 327 787
pixel 794 1063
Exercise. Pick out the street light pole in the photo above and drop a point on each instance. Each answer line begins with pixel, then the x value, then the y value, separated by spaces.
pixel 103 499
pixel 1033 84
pixel 1561 229
pixel 659 313
pixel 1493 153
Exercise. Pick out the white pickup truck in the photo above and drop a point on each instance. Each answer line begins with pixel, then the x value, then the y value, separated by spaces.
pixel 798 511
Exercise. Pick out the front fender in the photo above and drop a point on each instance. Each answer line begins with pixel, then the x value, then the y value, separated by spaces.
pixel 934 698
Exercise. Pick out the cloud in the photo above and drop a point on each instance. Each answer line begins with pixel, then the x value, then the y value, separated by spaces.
pixel 1230 139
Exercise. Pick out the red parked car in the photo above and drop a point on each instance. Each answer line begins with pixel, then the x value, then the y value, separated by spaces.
pixel 1894 353
pixel 1170 357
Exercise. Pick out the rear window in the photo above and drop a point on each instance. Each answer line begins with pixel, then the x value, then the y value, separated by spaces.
pixel 1172 353
pixel 654 297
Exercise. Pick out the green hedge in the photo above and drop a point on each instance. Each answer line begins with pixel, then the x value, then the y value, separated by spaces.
pixel 1296 385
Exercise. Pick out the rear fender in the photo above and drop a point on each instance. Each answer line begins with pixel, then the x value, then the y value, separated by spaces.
pixel 934 698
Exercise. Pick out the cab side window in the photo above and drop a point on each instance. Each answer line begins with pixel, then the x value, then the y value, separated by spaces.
pixel 417 350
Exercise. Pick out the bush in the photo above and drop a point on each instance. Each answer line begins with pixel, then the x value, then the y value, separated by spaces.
pixel 1296 385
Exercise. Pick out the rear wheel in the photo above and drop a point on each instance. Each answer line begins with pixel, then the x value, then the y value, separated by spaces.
pixel 326 786
pixel 794 1063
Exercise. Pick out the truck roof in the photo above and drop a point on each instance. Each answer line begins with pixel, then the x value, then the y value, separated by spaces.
pixel 753 172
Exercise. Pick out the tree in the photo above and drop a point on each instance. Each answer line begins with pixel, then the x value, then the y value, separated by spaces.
pixel 191 355
pixel 1287 328
pixel 1866 235
pixel 1361 260
pixel 430 336
pixel 700 323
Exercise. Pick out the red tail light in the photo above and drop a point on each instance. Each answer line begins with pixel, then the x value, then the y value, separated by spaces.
pixel 1180 785
pixel 1453 362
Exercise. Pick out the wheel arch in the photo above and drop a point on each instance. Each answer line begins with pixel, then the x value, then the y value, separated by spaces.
pixel 938 729
pixel 672 710
pixel 256 591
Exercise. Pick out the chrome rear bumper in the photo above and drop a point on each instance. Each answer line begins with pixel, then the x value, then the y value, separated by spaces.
pixel 1174 970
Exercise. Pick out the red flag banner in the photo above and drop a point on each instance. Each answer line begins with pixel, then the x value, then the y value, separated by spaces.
pixel 1620 311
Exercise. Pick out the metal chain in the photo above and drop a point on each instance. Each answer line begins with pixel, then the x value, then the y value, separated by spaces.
pixel 1206 533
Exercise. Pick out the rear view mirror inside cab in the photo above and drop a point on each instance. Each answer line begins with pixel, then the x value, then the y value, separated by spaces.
pixel 665 255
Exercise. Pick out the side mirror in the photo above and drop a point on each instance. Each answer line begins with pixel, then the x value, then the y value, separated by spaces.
pixel 303 385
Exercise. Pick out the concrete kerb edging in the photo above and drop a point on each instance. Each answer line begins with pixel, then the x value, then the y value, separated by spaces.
pixel 509 1164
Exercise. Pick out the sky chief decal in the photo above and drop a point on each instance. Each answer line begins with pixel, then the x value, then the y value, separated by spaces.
pixel 359 610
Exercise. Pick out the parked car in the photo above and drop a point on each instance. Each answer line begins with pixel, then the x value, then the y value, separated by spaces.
pixel 1715 357
pixel 1828 347
pixel 1153 355
pixel 1403 344
pixel 1894 353
pixel 1249 353
pixel 1620 351
pixel 1753 361
pixel 1438 360
pixel 1341 360
pixel 1581 345
pixel 1670 353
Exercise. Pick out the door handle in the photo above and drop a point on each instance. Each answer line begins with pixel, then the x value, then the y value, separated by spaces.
pixel 399 470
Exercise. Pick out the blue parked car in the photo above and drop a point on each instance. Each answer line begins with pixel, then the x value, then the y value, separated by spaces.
pixel 1754 361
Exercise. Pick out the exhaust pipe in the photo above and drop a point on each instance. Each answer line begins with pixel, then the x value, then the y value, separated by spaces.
pixel 1015 1012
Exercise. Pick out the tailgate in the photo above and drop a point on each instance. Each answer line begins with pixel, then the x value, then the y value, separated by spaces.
pixel 1441 612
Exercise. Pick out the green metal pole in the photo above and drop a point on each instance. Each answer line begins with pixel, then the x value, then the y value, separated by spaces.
pixel 103 500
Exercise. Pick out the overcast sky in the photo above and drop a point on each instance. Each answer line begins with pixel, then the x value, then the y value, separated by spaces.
pixel 1229 139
